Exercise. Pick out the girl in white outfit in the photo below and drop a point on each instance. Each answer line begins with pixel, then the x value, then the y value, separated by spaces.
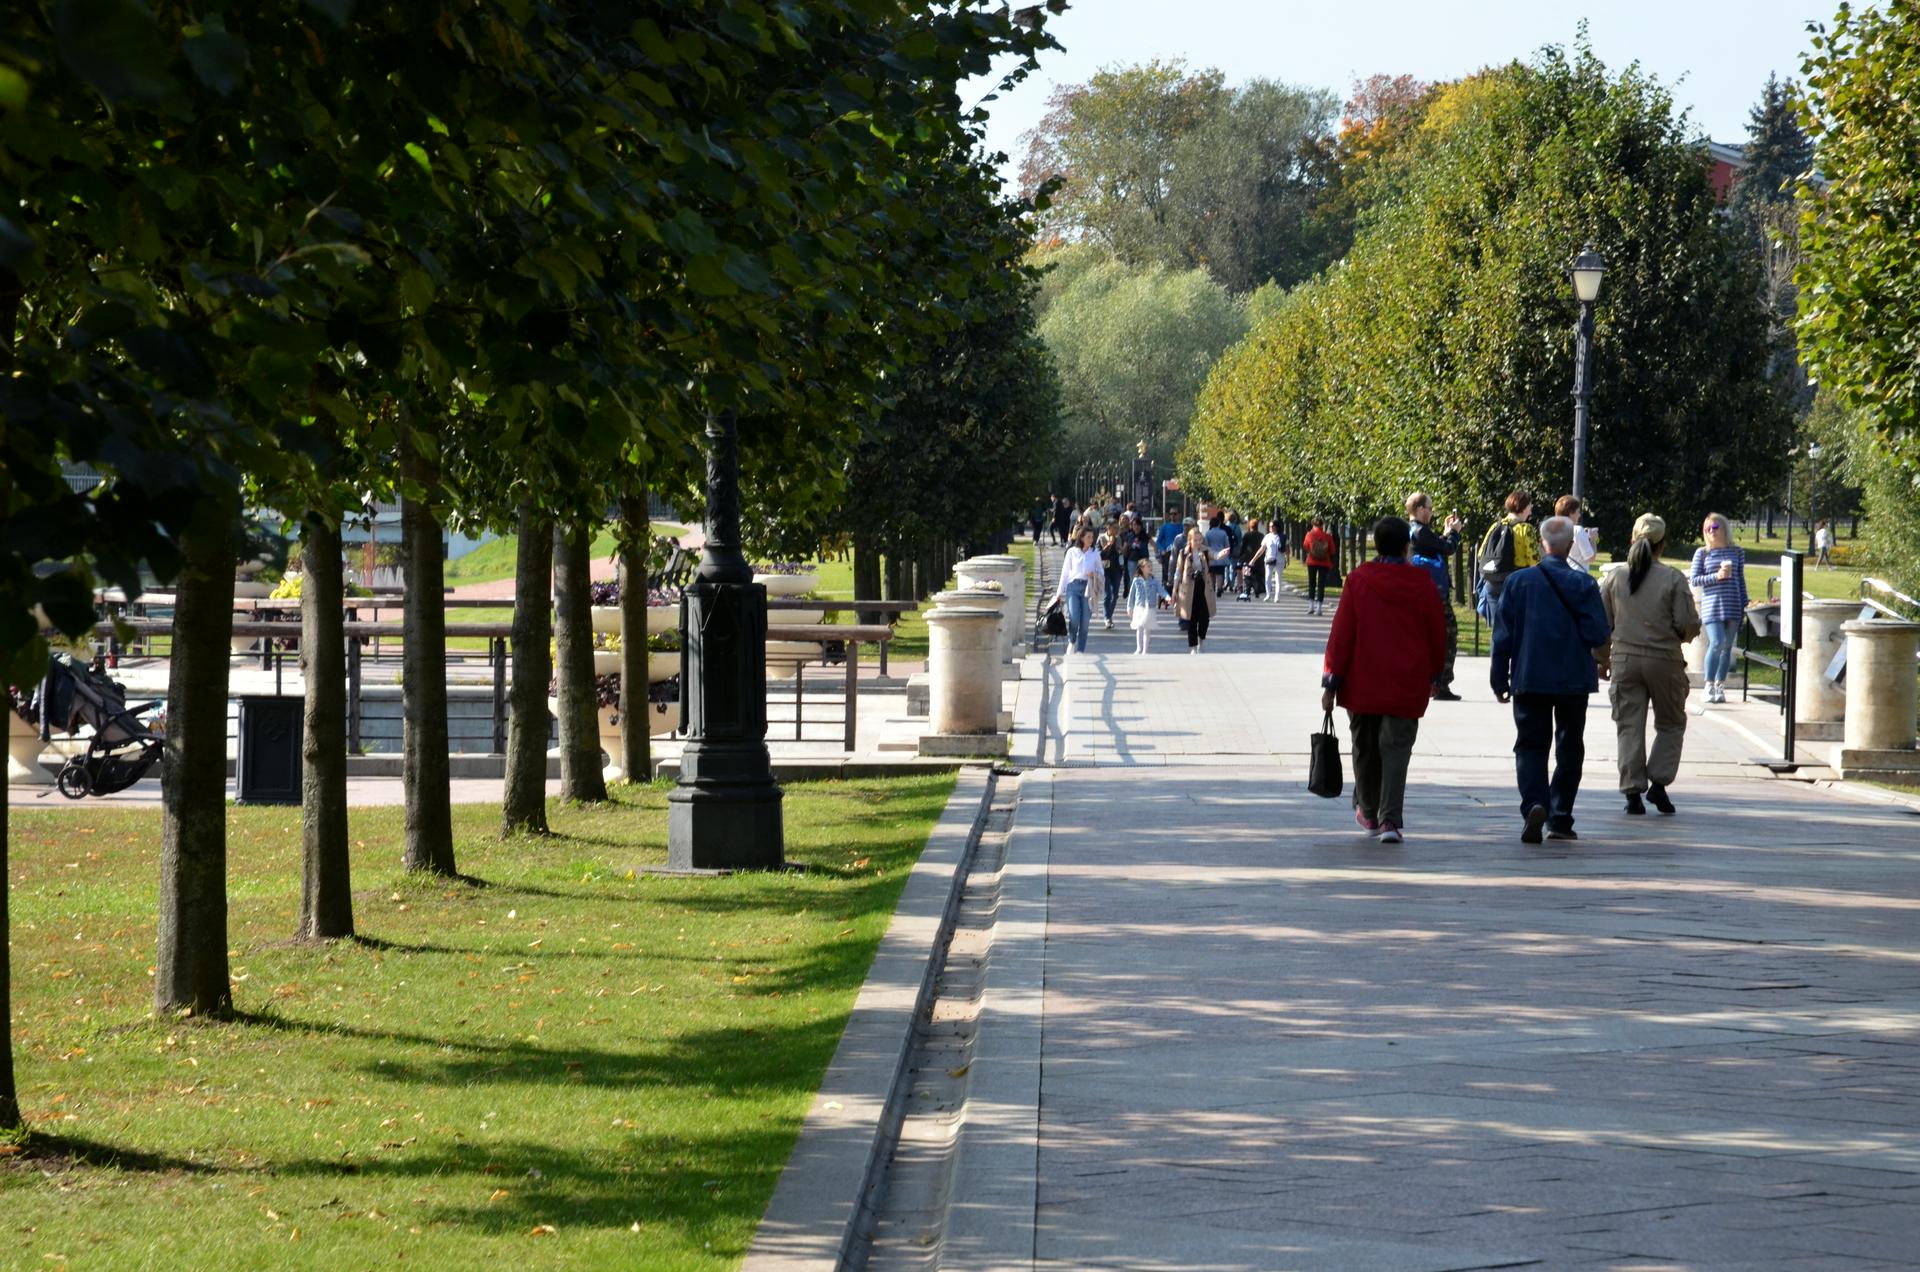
pixel 1144 596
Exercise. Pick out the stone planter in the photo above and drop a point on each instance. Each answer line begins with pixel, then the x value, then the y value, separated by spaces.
pixel 606 662
pixel 662 666
pixel 1010 573
pixel 781 656
pixel 983 598
pixel 963 661
pixel 788 584
pixel 247 589
pixel 610 743
pixel 1695 650
pixel 23 753
pixel 605 618
pixel 1821 704
pixel 662 619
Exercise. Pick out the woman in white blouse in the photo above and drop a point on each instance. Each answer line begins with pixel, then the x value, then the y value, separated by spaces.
pixel 1081 570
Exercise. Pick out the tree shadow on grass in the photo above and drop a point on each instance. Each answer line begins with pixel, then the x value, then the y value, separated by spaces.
pixel 54 1151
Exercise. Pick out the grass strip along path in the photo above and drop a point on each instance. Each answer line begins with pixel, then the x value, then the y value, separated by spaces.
pixel 561 1063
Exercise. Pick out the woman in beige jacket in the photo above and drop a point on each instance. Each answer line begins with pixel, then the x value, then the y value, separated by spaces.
pixel 1192 590
pixel 1653 616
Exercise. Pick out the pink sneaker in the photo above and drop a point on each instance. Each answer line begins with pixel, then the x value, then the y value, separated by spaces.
pixel 1367 823
pixel 1389 833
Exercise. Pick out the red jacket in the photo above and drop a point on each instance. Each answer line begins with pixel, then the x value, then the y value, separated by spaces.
pixel 1312 540
pixel 1389 640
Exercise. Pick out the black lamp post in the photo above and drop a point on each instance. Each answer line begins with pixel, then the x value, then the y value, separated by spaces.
pixel 1587 269
pixel 725 811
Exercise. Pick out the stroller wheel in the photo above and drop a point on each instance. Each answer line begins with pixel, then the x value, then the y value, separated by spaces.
pixel 73 780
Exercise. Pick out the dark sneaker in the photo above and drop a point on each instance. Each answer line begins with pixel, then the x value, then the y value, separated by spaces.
pixel 1657 796
pixel 1634 805
pixel 1536 820
pixel 1444 694
pixel 1566 832
pixel 1389 833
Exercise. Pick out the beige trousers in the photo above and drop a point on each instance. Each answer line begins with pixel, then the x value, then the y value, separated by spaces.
pixel 1638 683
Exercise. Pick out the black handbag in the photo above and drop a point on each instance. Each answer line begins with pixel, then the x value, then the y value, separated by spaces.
pixel 1324 775
pixel 1055 623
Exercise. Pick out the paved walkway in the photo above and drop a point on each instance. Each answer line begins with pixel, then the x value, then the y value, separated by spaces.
pixel 1269 1042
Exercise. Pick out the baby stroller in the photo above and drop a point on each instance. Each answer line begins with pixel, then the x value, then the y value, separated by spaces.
pixel 122 748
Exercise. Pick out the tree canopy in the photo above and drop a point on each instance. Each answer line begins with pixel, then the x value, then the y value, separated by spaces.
pixel 1162 166
pixel 1133 346
pixel 1440 353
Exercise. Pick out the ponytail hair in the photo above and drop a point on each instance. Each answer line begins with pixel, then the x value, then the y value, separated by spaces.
pixel 1640 559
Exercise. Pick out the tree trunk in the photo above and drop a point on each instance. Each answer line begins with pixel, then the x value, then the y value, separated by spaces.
pixel 580 773
pixel 636 713
pixel 866 579
pixel 326 882
pixel 424 772
pixel 10 295
pixel 9 1097
pixel 190 971
pixel 897 572
pixel 524 802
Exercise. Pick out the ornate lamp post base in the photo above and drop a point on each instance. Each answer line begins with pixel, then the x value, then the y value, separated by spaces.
pixel 724 814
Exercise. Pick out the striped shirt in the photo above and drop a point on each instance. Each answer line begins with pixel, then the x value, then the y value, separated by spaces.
pixel 1722 600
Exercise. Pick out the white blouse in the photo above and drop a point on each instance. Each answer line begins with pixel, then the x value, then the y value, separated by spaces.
pixel 1081 563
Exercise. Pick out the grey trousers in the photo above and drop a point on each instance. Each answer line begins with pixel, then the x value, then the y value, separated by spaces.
pixel 1382 750
pixel 1640 683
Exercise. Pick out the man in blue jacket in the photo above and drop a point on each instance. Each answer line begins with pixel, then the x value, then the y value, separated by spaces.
pixel 1171 535
pixel 1549 652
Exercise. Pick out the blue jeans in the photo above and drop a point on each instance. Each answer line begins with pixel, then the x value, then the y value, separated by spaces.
pixel 1115 580
pixel 1720 637
pixel 1559 721
pixel 1078 616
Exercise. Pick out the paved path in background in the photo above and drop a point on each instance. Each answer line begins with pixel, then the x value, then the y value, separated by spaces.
pixel 1270 1042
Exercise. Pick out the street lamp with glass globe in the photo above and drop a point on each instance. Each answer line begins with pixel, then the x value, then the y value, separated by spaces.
pixel 1587 269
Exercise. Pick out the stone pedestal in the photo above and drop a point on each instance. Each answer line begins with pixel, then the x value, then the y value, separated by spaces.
pixel 981 598
pixel 1821 704
pixel 1010 572
pixel 1883 696
pixel 963 657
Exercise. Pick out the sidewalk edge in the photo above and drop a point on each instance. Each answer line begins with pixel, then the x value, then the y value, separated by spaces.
pixel 809 1221
pixel 994 1208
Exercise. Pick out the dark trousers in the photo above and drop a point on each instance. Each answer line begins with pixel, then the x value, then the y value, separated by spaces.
pixel 1166 569
pixel 1557 721
pixel 1202 616
pixel 1112 596
pixel 1445 678
pixel 1382 753
pixel 1317 576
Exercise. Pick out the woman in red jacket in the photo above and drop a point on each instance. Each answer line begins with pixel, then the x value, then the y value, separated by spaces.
pixel 1317 549
pixel 1389 641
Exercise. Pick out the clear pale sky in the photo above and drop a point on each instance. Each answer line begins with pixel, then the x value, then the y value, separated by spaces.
pixel 1713 54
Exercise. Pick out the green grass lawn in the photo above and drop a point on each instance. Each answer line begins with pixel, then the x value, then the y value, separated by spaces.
pixel 568 1064
pixel 494 559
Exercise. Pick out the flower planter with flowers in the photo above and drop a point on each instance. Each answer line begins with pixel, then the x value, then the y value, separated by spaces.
pixel 663 609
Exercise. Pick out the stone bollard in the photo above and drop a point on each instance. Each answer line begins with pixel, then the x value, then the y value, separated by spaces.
pixel 1822 705
pixel 1882 692
pixel 963 659
pixel 977 571
pixel 982 598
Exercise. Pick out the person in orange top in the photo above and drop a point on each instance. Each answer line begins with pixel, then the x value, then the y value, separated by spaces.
pixel 1317 549
pixel 1389 640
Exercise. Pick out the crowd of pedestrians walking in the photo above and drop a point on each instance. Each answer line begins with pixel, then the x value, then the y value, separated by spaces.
pixel 1390 652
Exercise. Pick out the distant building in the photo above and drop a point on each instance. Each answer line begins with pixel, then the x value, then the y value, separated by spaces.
pixel 1725 164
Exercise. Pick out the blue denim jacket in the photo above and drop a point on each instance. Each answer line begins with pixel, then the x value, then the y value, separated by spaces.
pixel 1541 645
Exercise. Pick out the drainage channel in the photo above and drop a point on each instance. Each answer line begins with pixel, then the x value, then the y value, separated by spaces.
pixel 903 1219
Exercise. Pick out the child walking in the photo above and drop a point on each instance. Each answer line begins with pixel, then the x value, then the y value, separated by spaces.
pixel 1144 596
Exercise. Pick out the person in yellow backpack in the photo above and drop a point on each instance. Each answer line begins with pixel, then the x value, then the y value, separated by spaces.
pixel 1511 544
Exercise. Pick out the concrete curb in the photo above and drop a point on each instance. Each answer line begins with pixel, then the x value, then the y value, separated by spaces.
pixel 997 1177
pixel 809 1222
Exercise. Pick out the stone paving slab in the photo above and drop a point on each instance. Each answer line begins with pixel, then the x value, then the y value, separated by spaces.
pixel 1269 1042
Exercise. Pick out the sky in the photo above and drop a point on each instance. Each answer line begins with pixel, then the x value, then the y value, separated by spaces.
pixel 1714 55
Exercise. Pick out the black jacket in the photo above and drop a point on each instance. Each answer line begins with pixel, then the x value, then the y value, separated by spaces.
pixel 1429 542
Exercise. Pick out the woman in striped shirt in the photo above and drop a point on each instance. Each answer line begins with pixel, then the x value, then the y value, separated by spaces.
pixel 1720 573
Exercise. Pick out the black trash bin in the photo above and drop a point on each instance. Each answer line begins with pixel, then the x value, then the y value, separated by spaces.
pixel 269 765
